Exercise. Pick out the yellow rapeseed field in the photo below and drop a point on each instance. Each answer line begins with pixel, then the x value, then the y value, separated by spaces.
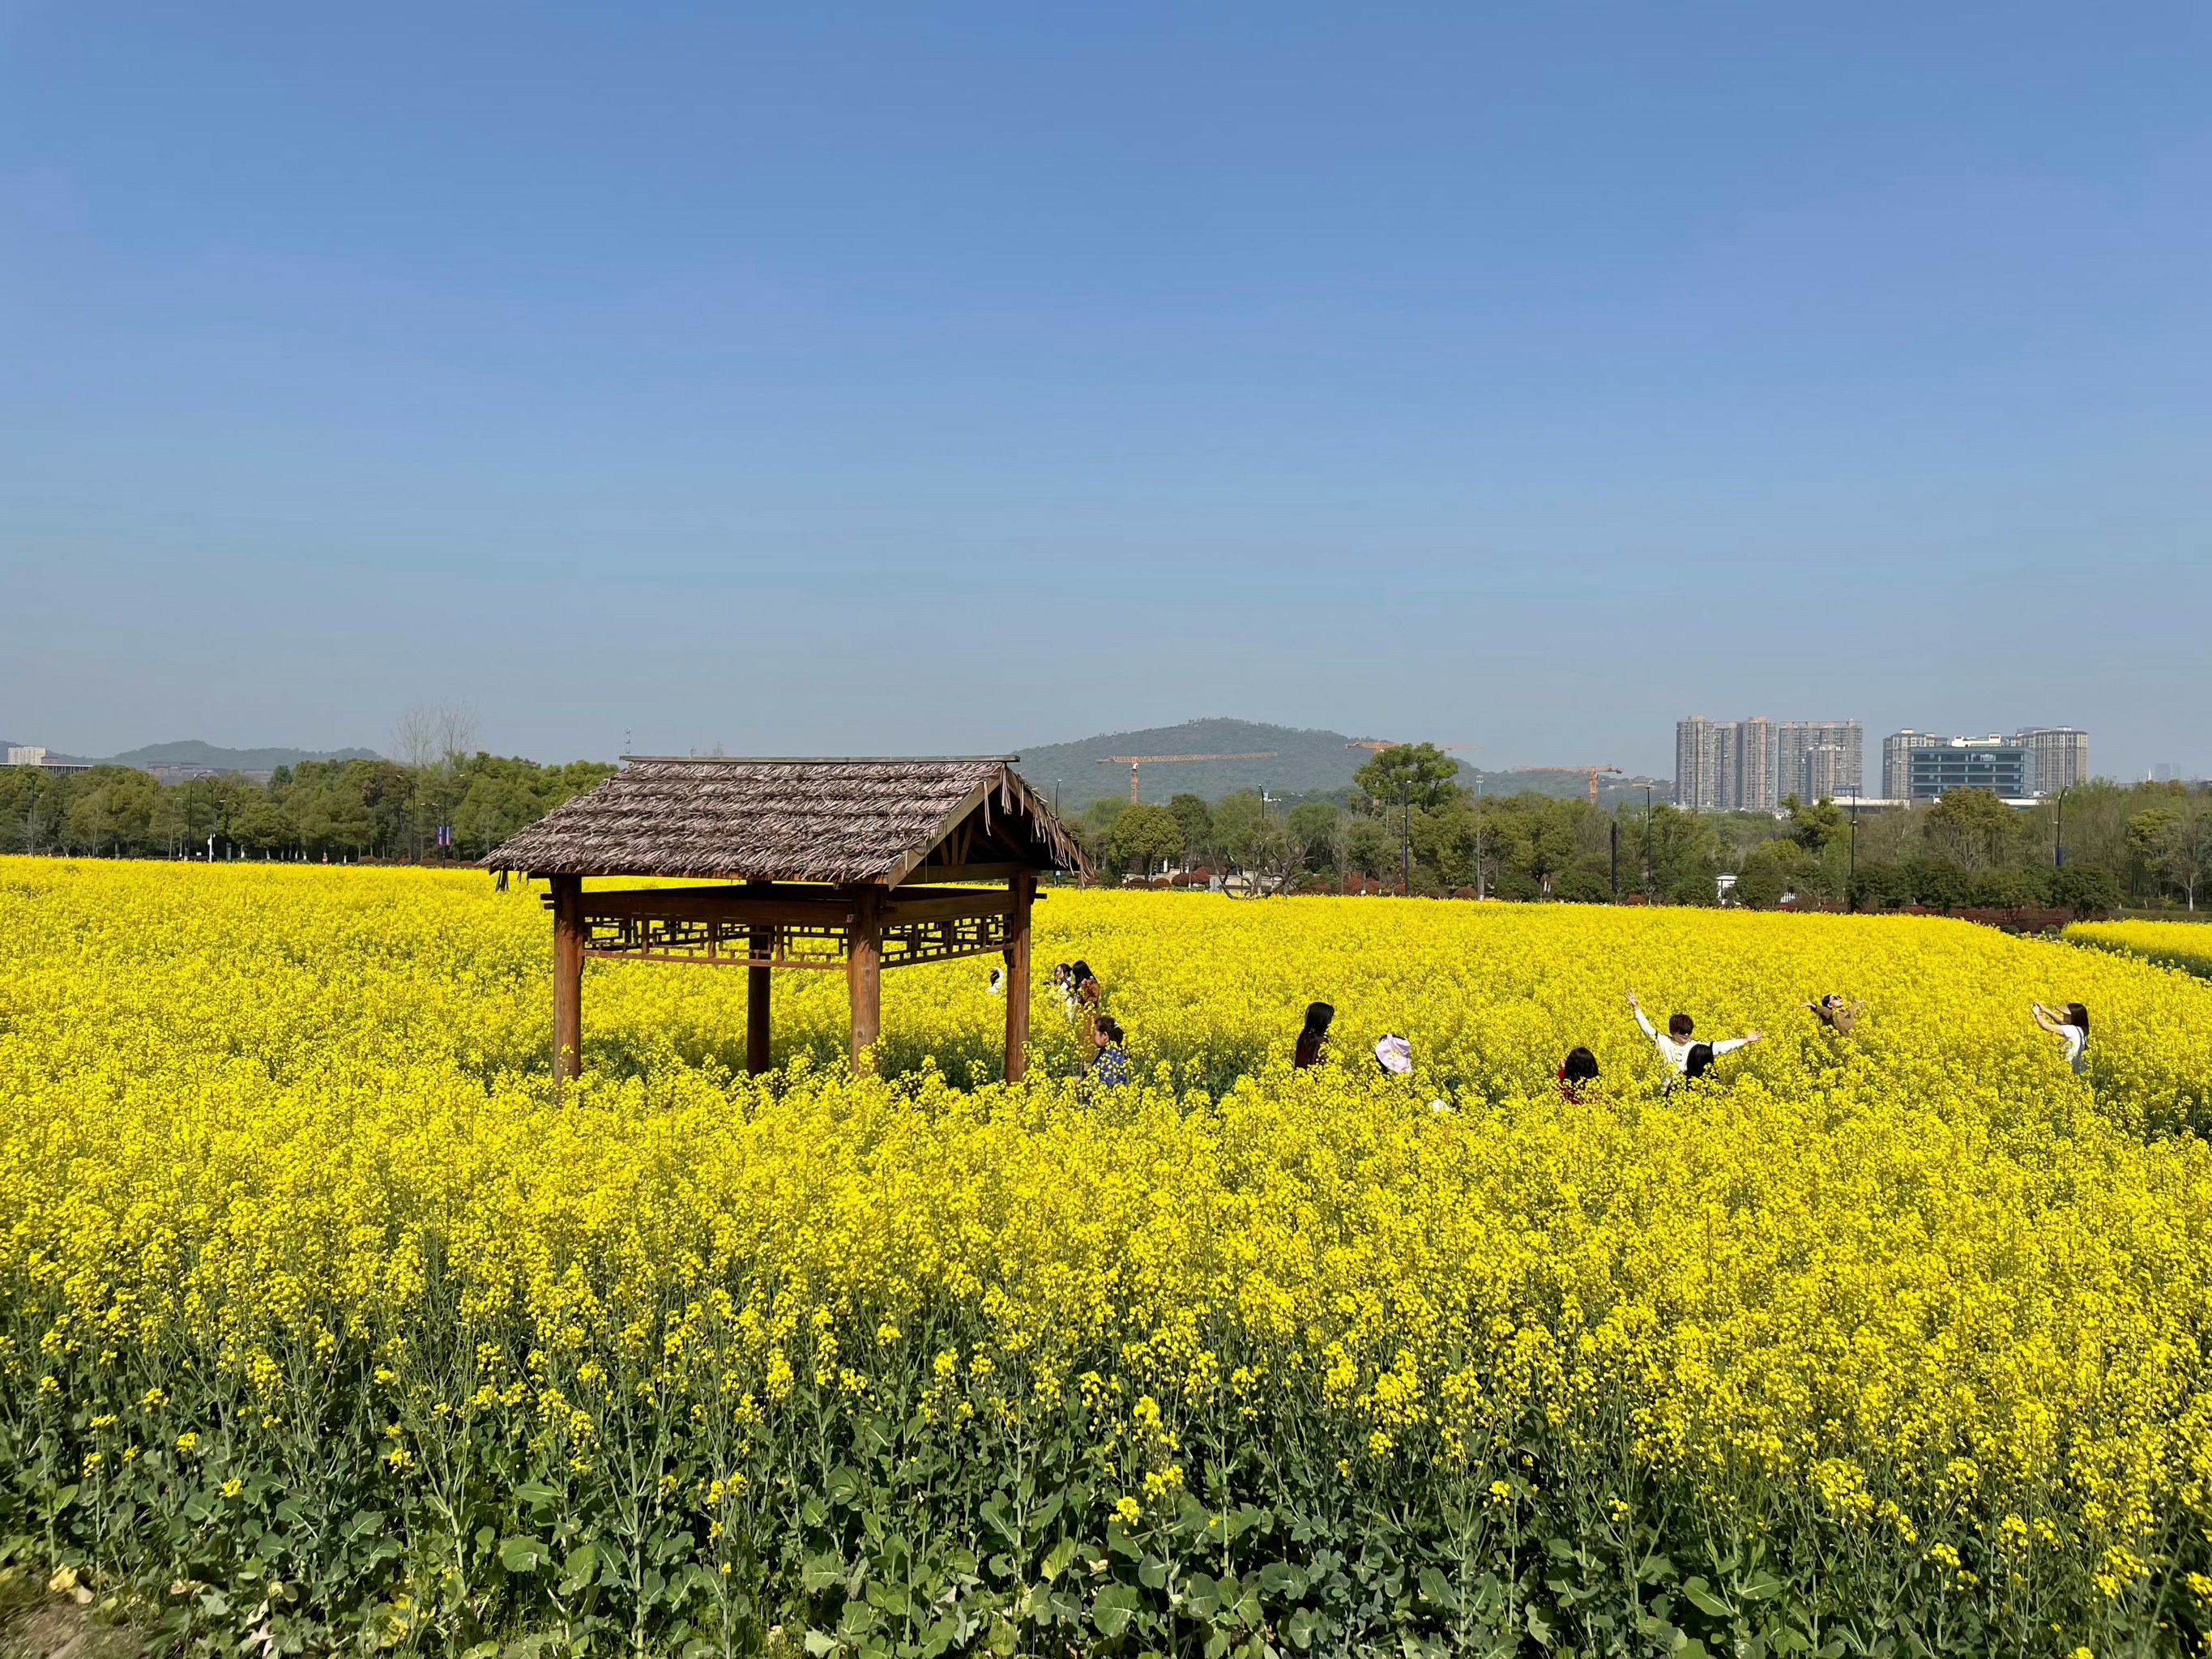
pixel 325 1314
pixel 2184 945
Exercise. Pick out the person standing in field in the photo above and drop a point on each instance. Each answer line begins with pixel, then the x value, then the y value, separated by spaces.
pixel 1113 1061
pixel 1318 1015
pixel 1577 1071
pixel 1087 1009
pixel 1832 1011
pixel 2074 1028
pixel 997 987
pixel 1686 1057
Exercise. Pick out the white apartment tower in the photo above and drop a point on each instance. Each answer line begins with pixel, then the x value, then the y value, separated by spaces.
pixel 1751 764
pixel 2057 757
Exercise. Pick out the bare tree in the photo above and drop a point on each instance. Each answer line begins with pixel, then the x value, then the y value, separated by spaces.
pixel 432 741
pixel 415 736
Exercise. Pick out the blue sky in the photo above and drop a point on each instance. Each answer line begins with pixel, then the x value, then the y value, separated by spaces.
pixel 851 381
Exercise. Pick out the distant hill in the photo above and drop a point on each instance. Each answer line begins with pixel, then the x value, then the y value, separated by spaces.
pixel 1305 763
pixel 192 752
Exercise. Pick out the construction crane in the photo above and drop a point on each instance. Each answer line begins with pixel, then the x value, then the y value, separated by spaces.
pixel 1132 762
pixel 1376 745
pixel 1592 770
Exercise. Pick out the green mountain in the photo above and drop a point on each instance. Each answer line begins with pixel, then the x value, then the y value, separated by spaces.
pixel 1304 762
pixel 191 752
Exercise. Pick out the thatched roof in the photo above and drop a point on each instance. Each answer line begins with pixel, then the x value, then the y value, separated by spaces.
pixel 794 820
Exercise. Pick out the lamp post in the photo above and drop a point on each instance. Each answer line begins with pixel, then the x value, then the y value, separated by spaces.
pixel 1478 832
pixel 1406 834
pixel 2058 835
pixel 1851 887
pixel 1614 837
pixel 1647 843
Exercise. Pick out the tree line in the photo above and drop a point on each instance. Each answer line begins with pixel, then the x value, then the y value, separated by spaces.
pixel 1408 822
pixel 450 805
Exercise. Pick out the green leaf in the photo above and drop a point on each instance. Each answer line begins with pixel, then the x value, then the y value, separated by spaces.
pixel 1437 1590
pixel 535 1492
pixel 1057 1558
pixel 522 1554
pixel 1706 1602
pixel 1283 1581
pixel 820 1572
pixel 1113 1607
pixel 580 1568
pixel 1300 1627
pixel 819 1644
pixel 1201 1596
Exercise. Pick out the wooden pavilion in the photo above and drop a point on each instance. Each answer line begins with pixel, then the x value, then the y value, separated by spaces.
pixel 844 865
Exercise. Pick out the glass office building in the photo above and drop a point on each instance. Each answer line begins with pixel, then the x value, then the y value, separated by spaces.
pixel 1993 763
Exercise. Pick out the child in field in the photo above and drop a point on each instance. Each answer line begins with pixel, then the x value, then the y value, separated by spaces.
pixel 1394 1054
pixel 1086 1009
pixel 1832 1011
pixel 1113 1062
pixel 2074 1028
pixel 1577 1071
pixel 1318 1015
pixel 997 987
pixel 1687 1058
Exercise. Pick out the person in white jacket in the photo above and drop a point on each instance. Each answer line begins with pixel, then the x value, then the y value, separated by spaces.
pixel 2070 1021
pixel 1679 1046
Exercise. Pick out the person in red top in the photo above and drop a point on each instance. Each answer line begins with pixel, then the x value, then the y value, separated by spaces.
pixel 1577 1071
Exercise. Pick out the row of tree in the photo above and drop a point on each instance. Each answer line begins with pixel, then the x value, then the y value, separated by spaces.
pixel 1408 821
pixel 450 806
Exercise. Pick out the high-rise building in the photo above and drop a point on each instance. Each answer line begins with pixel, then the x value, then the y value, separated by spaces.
pixel 2058 757
pixel 1897 761
pixel 1750 764
pixel 1806 768
pixel 1697 764
pixel 1754 757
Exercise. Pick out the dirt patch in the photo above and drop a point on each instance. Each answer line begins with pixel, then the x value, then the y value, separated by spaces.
pixel 36 1623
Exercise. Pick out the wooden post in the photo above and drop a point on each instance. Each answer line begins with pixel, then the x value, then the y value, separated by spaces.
pixel 759 942
pixel 864 974
pixel 1019 892
pixel 568 977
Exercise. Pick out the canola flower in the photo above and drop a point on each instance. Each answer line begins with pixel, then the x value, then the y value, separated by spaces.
pixel 2184 945
pixel 312 1283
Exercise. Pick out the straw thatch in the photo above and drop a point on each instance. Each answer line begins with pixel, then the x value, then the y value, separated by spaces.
pixel 791 820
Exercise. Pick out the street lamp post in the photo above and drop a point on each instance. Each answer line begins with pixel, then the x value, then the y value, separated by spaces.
pixel 1478 832
pixel 1405 835
pixel 1851 887
pixel 1647 843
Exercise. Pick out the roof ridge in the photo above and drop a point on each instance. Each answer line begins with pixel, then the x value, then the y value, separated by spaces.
pixel 823 760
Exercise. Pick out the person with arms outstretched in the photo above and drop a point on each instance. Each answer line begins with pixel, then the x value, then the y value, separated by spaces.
pixel 1686 1057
